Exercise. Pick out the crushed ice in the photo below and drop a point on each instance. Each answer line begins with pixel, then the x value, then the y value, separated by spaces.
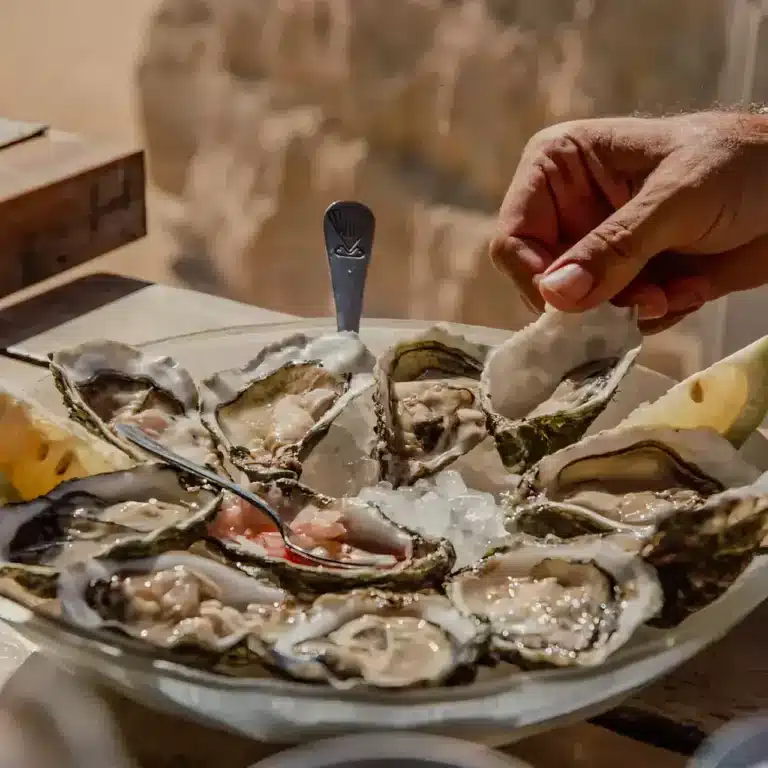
pixel 443 506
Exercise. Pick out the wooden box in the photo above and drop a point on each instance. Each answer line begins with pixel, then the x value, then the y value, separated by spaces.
pixel 63 201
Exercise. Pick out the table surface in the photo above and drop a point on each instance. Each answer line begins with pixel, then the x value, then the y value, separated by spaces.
pixel 663 724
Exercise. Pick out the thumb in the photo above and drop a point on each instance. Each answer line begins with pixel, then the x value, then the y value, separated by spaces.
pixel 606 260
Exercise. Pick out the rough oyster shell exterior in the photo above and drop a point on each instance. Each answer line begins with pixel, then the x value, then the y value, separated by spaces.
pixel 545 385
pixel 699 553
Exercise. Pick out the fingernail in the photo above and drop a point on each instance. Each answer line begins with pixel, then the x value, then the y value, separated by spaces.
pixel 571 282
pixel 650 312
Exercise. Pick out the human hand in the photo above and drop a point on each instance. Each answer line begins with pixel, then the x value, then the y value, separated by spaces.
pixel 665 214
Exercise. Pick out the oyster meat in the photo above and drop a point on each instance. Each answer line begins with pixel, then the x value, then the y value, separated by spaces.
pixel 202 609
pixel 381 639
pixel 626 480
pixel 145 510
pixel 105 383
pixel 345 529
pixel 545 385
pixel 428 404
pixel 270 414
pixel 573 604
pixel 699 553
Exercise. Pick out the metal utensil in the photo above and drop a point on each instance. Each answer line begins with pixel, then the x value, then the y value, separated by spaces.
pixel 135 435
pixel 25 356
pixel 349 228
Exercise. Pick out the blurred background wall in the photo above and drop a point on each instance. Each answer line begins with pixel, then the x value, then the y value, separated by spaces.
pixel 257 113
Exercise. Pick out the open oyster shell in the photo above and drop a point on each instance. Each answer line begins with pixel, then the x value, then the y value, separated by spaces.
pixel 145 510
pixel 381 639
pixel 699 553
pixel 203 611
pixel 271 413
pixel 428 404
pixel 545 385
pixel 572 604
pixel 105 383
pixel 625 480
pixel 345 529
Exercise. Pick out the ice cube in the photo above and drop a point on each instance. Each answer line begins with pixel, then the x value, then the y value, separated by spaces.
pixel 432 515
pixel 450 484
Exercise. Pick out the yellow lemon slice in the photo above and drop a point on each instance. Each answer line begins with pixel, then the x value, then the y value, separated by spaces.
pixel 730 397
pixel 39 451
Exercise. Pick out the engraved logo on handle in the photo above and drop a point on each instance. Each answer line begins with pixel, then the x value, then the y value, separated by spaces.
pixel 347 227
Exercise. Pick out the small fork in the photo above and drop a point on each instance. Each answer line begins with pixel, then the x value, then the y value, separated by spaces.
pixel 136 436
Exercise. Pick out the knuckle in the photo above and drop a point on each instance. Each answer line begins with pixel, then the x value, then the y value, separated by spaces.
pixel 557 139
pixel 615 238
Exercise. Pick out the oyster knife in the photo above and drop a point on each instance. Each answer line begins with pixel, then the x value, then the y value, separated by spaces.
pixel 349 228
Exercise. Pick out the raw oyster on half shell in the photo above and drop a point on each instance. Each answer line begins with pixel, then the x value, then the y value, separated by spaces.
pixel 142 510
pixel 572 604
pixel 270 414
pixel 105 383
pixel 206 612
pixel 428 402
pixel 345 529
pixel 625 480
pixel 383 640
pixel 132 513
pixel 699 553
pixel 545 385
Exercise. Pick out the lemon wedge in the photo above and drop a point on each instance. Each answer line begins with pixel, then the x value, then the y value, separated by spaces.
pixel 39 451
pixel 730 397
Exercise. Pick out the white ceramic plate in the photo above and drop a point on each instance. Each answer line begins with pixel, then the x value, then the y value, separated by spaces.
pixel 377 750
pixel 498 708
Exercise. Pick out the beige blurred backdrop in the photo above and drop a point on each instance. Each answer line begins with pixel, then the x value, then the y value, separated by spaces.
pixel 256 114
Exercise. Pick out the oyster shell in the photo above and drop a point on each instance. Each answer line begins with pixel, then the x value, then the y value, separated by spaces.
pixel 698 554
pixel 428 404
pixel 206 612
pixel 626 480
pixel 145 510
pixel 572 604
pixel 32 586
pixel 105 383
pixel 344 529
pixel 381 639
pixel 38 450
pixel 545 385
pixel 271 413
pixel 344 464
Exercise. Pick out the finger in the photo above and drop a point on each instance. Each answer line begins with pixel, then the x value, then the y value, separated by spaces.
pixel 650 299
pixel 521 261
pixel 738 270
pixel 605 261
pixel 688 293
pixel 652 327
